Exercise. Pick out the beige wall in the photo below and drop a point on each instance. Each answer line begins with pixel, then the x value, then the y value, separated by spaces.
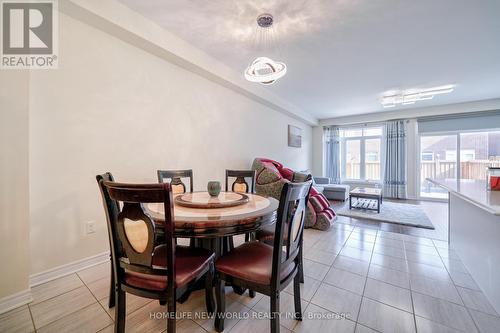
pixel 14 188
pixel 114 107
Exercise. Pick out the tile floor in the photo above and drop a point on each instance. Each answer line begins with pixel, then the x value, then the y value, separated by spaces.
pixel 359 278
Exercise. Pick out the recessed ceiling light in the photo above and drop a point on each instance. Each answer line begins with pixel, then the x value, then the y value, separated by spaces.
pixel 410 96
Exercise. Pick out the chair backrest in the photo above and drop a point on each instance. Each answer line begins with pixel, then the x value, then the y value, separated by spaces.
pixel 135 229
pixel 289 226
pixel 111 210
pixel 174 177
pixel 240 184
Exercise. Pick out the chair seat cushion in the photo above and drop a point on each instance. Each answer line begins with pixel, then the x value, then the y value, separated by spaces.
pixel 251 261
pixel 190 262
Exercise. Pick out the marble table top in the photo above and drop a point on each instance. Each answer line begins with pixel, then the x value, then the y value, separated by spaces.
pixel 258 209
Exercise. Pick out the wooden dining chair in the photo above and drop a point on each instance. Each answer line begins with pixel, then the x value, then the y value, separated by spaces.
pixel 240 183
pixel 264 268
pixel 143 267
pixel 111 209
pixel 175 178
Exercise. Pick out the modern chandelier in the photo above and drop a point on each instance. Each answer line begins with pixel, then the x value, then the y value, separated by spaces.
pixel 264 70
pixel 406 97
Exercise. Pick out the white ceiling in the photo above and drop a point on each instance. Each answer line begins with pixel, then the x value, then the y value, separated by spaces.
pixel 343 54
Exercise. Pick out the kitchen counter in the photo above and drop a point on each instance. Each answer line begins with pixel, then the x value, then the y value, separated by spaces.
pixel 473 191
pixel 474 232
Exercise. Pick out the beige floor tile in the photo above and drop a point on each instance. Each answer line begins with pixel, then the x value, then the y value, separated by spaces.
pixel 254 324
pixel 476 300
pixel 390 235
pixel 90 319
pixel 359 244
pixel 390 262
pixel 364 230
pixel 132 303
pixel 100 288
pixel 426 259
pixel 435 288
pixel 327 246
pixel 388 294
pixel 149 318
pixel 351 265
pixel 363 329
pixel 17 321
pixel 243 299
pixel 356 253
pixel 315 270
pixel 188 326
pixel 95 272
pixel 443 312
pixel 385 318
pixel 441 244
pixel 236 311
pixel 485 322
pixel 427 326
pixel 367 237
pixel 316 319
pixel 418 240
pixel 424 249
pixel 337 300
pixel 52 309
pixel 307 289
pixel 320 256
pixel 397 278
pixel 463 280
pixel 427 271
pixel 389 251
pixel 287 309
pixel 55 287
pixel 345 280
pixel 399 244
pixel 455 265
pixel 108 329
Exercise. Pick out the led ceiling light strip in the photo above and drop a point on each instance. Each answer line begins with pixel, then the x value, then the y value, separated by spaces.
pixel 412 96
pixel 263 69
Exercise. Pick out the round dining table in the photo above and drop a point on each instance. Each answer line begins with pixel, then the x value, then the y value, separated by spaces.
pixel 256 212
pixel 211 228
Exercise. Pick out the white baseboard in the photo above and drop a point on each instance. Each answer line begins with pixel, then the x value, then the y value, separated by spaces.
pixel 67 269
pixel 16 300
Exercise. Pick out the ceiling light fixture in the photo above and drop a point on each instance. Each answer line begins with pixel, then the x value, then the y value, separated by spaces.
pixel 264 70
pixel 411 96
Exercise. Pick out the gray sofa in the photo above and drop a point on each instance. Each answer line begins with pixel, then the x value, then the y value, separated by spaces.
pixel 331 191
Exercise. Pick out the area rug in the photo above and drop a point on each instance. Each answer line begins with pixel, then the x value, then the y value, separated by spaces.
pixel 392 212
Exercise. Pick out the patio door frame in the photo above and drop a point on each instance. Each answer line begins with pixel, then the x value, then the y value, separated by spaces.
pixel 419 160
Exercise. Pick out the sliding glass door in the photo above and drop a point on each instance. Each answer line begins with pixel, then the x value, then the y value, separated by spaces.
pixel 461 155
pixel 438 160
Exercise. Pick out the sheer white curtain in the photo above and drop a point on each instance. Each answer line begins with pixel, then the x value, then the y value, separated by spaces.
pixel 332 153
pixel 395 169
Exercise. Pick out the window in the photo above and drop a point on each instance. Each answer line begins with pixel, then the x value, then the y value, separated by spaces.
pixel 361 153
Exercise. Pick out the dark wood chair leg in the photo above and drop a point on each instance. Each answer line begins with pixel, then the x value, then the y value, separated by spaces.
pixel 296 298
pixel 162 302
pixel 275 311
pixel 112 298
pixel 209 295
pixel 301 265
pixel 251 293
pixel 120 311
pixel 221 305
pixel 171 315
